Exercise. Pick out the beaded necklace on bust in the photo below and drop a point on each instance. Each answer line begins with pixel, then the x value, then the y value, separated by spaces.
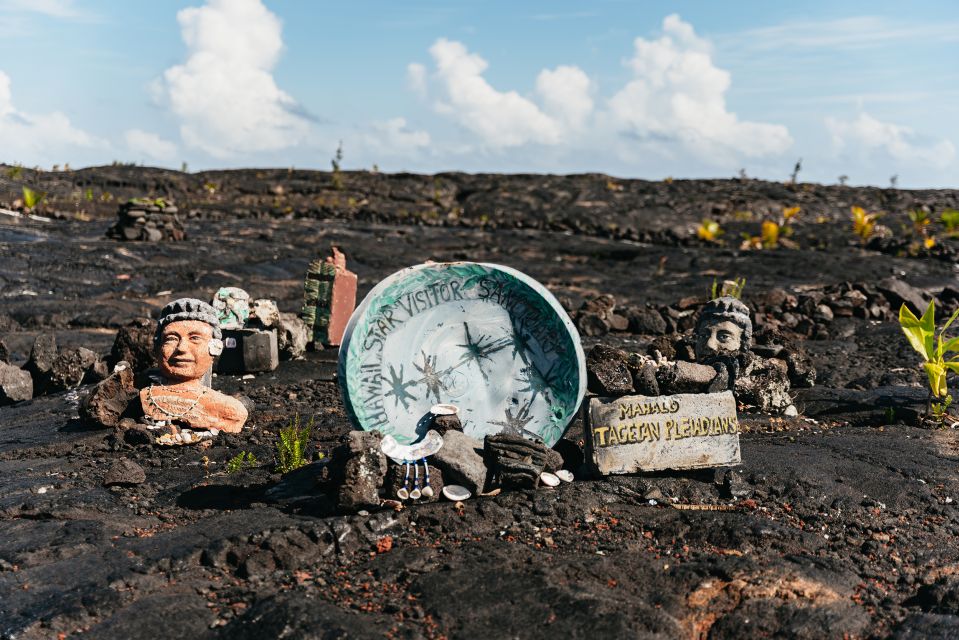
pixel 175 416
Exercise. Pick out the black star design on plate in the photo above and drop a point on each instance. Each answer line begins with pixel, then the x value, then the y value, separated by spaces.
pixel 432 378
pixel 398 388
pixel 480 349
pixel 515 424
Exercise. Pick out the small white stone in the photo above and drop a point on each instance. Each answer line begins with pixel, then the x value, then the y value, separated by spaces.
pixel 549 479
pixel 565 475
pixel 444 410
pixel 455 492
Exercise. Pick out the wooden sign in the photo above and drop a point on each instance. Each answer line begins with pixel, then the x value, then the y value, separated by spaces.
pixel 683 431
pixel 484 337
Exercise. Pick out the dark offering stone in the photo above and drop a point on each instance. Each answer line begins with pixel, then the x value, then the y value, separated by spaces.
pixel 124 472
pixel 646 322
pixel 134 344
pixel 607 372
pixel 70 368
pixel 460 461
pixel 898 293
pixel 16 385
pixel 109 399
pixel 445 423
pixel 40 362
pixel 360 467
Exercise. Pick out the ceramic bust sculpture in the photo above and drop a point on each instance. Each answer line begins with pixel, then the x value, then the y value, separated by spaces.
pixel 187 339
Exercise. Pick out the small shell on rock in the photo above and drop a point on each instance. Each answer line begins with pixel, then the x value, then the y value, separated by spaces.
pixel 427 491
pixel 444 410
pixel 565 475
pixel 455 493
pixel 403 493
pixel 549 479
pixel 415 494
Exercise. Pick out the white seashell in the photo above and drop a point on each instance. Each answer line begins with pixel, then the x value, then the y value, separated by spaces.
pixel 444 410
pixel 565 475
pixel 427 491
pixel 455 493
pixel 549 479
pixel 399 453
pixel 415 494
pixel 403 493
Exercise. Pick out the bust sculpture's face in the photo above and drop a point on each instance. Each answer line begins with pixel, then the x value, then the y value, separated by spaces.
pixel 185 350
pixel 719 338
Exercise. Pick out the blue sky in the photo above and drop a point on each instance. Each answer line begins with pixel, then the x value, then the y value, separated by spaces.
pixel 635 89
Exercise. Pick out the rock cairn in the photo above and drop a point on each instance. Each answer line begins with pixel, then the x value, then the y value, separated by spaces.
pixel 147 219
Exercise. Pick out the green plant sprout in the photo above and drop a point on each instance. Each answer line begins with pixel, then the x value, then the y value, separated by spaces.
pixel 921 223
pixel 31 198
pixel 863 223
pixel 239 461
pixel 950 218
pixel 291 447
pixel 709 230
pixel 337 173
pixel 935 352
pixel 732 288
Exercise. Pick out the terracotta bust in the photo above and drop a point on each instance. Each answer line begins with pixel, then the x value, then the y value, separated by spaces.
pixel 187 339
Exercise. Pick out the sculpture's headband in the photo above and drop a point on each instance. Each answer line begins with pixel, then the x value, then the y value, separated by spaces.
pixel 187 309
pixel 728 308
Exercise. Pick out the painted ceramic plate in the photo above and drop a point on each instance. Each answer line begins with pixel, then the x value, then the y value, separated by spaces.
pixel 484 337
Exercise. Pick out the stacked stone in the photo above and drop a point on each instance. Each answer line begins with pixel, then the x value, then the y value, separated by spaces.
pixel 147 219
pixel 318 299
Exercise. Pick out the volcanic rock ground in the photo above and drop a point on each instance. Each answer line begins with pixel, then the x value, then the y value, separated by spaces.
pixel 828 529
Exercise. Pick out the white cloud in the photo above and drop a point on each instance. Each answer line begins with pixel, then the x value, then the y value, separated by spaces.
pixel 224 94
pixel 848 34
pixel 502 119
pixel 150 145
pixel 394 137
pixel 678 93
pixel 565 92
pixel 38 138
pixel 674 104
pixel 865 135
pixel 416 76
pixel 53 8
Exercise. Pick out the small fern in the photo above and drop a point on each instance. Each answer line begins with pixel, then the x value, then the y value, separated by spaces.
pixel 291 447
pixel 243 459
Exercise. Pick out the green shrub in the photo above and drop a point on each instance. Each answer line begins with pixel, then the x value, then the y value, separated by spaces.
pixel 935 352
pixel 291 447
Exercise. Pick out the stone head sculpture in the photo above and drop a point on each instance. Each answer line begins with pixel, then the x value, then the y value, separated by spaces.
pixel 724 329
pixel 187 339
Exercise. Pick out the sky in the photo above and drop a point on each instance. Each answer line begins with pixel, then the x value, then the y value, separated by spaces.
pixel 636 89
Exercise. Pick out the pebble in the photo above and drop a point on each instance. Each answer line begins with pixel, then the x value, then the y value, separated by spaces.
pixel 565 475
pixel 549 479
pixel 456 493
pixel 444 410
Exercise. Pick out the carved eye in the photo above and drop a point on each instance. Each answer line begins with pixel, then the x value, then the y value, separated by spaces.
pixel 725 336
pixel 170 338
